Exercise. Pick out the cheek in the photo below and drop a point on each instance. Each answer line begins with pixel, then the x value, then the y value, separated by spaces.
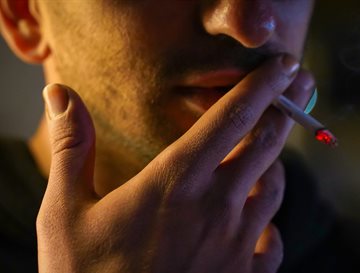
pixel 292 23
pixel 157 29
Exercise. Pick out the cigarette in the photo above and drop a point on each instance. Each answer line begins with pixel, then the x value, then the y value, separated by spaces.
pixel 320 132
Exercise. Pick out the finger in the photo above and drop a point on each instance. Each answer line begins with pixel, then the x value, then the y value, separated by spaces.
pixel 264 257
pixel 262 203
pixel 301 89
pixel 72 139
pixel 269 252
pixel 243 166
pixel 217 132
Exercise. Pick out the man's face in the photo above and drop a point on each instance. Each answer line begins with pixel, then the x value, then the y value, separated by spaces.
pixel 148 69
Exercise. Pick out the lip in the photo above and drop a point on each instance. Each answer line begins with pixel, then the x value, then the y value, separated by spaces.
pixel 201 91
pixel 219 78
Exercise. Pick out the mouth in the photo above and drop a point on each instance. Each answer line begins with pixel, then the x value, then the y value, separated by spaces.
pixel 201 99
pixel 201 91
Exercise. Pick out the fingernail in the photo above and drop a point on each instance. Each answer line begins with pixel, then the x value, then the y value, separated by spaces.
pixel 312 102
pixel 291 65
pixel 57 99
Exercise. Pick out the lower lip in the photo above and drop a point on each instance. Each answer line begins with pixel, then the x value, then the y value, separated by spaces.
pixel 201 99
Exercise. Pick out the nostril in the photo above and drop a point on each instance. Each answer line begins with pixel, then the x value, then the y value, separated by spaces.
pixel 250 22
pixel 257 30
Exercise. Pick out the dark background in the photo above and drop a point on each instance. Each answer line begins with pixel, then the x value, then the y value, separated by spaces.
pixel 332 53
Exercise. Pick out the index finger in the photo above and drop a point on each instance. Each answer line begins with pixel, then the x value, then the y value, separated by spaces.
pixel 217 132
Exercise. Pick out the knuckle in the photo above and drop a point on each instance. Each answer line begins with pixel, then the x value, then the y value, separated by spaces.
pixel 272 195
pixel 169 174
pixel 225 210
pixel 65 137
pixel 167 166
pixel 49 217
pixel 57 216
pixel 275 184
pixel 241 115
pixel 167 157
pixel 176 170
pixel 267 202
pixel 267 138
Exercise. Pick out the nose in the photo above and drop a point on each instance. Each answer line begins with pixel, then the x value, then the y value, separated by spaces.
pixel 250 22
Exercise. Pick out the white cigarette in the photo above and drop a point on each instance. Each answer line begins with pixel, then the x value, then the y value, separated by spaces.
pixel 308 122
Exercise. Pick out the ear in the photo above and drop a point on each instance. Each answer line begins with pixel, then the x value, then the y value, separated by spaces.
pixel 20 27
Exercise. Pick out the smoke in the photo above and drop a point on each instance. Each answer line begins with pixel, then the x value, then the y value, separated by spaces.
pixel 350 58
pixel 344 113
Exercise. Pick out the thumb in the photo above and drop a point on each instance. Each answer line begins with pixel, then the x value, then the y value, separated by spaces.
pixel 72 142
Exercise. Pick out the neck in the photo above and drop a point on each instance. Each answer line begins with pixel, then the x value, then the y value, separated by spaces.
pixel 107 174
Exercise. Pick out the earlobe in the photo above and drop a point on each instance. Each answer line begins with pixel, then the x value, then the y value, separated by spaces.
pixel 20 27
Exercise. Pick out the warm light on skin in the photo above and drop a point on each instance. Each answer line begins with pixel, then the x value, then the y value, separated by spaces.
pixel 129 75
pixel 265 240
pixel 127 64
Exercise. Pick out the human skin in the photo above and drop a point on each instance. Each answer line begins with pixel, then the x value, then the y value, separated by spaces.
pixel 141 54
pixel 186 207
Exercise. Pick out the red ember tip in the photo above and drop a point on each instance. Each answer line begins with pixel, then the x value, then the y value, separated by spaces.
pixel 326 137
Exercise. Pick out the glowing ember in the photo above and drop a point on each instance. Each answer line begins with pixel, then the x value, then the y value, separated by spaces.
pixel 326 137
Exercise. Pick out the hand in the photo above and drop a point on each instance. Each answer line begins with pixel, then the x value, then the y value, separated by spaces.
pixel 201 205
